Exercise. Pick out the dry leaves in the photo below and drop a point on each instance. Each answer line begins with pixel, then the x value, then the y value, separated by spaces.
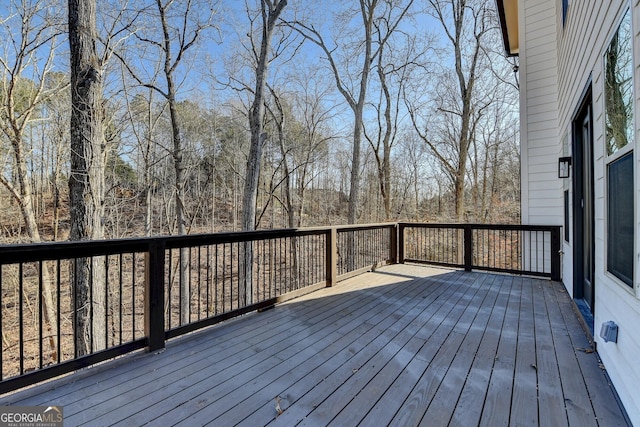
pixel 278 408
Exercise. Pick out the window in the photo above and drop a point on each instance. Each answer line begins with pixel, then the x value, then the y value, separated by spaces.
pixel 619 124
pixel 618 88
pixel 565 7
pixel 620 219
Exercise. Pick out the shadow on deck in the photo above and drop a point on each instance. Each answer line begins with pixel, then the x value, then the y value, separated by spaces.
pixel 404 345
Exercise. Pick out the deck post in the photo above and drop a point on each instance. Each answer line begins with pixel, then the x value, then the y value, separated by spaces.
pixel 555 254
pixel 332 256
pixel 401 243
pixel 154 295
pixel 393 244
pixel 468 247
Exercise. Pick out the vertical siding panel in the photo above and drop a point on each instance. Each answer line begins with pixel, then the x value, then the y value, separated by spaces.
pixel 539 113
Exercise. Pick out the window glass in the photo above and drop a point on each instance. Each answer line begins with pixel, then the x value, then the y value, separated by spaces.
pixel 620 219
pixel 618 88
pixel 565 7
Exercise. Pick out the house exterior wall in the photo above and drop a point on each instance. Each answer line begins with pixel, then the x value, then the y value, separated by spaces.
pixel 539 113
pixel 558 62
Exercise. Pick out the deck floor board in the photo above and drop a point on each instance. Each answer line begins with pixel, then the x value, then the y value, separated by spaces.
pixel 404 345
pixel 470 402
pixel 551 403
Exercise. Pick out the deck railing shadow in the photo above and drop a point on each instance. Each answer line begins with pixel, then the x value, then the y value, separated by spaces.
pixel 146 291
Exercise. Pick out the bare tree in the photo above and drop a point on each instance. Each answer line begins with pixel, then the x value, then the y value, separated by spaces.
pixel 393 68
pixel 144 117
pixel 55 148
pixel 280 119
pixel 311 138
pixel 22 97
pixel 355 100
pixel 169 33
pixel 353 87
pixel 26 68
pixel 270 11
pixel 466 25
pixel 269 14
pixel 409 177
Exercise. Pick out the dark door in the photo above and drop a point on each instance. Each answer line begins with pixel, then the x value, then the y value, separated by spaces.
pixel 583 204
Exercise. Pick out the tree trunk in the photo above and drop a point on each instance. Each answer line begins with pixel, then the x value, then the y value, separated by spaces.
pixel 270 13
pixel 178 165
pixel 185 292
pixel 86 180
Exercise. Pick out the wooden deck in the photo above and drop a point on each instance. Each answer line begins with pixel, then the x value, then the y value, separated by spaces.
pixel 405 345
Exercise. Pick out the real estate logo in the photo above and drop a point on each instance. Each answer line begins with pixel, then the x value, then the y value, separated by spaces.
pixel 31 416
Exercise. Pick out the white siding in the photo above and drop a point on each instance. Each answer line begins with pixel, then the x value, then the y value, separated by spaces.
pixel 541 189
pixel 557 64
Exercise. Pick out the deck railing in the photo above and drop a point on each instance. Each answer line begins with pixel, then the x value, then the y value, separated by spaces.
pixel 142 292
pixel 363 247
pixel 518 249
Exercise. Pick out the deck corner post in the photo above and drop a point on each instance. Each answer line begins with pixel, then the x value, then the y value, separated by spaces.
pixel 468 247
pixel 555 254
pixel 401 242
pixel 154 295
pixel 332 256
pixel 393 243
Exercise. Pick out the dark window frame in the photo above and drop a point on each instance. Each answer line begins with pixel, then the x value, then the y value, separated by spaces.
pixel 620 142
pixel 621 218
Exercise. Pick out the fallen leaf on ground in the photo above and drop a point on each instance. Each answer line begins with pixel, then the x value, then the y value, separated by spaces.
pixel 278 408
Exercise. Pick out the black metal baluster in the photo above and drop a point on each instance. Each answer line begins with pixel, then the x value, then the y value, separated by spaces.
pixel 2 316
pixel 133 296
pixel 120 298
pixel 208 279
pixel 199 267
pixel 544 252
pixel 189 283
pixel 215 295
pixel 91 331
pixel 58 324
pixel 75 307
pixel 281 270
pixel 264 263
pixel 231 276
pixel 279 264
pixel 106 302
pixel 169 286
pixel 521 240
pixel 180 279
pixel 272 266
pixel 21 316
pixel 286 271
pixel 40 313
pixel 537 252
pixel 224 275
pixel 504 249
pixel 238 264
